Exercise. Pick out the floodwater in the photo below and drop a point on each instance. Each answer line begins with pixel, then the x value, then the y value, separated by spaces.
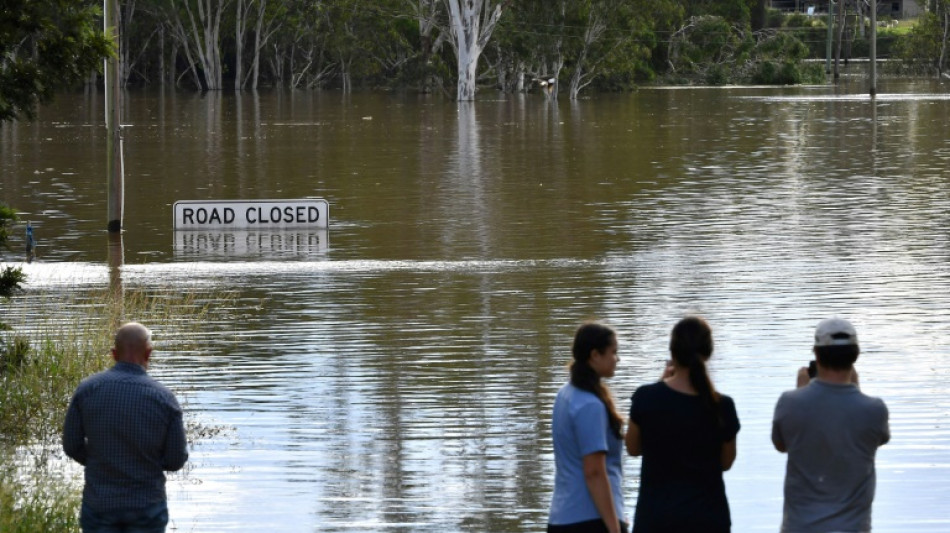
pixel 396 372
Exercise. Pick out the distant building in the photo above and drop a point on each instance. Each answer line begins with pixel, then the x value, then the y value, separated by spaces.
pixel 898 9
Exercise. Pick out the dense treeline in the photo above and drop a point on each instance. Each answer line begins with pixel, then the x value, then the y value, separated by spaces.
pixel 429 45
pixel 438 45
pixel 450 46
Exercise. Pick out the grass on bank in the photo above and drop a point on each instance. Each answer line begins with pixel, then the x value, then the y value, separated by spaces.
pixel 40 368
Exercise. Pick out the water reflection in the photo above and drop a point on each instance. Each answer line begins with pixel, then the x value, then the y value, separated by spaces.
pixel 402 378
pixel 231 245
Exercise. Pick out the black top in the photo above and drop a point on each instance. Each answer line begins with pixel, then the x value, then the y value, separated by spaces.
pixel 681 487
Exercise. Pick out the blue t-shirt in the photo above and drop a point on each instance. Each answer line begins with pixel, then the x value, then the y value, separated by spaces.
pixel 580 427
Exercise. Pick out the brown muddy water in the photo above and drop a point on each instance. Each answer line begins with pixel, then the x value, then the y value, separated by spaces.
pixel 396 372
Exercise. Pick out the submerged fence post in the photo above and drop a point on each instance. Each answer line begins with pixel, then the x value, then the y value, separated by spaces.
pixel 114 163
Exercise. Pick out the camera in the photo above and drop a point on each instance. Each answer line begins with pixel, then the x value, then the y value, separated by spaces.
pixel 812 369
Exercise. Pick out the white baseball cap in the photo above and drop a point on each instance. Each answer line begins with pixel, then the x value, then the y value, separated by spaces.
pixel 835 332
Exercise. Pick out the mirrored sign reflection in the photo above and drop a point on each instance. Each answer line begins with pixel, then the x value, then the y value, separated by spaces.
pixel 204 245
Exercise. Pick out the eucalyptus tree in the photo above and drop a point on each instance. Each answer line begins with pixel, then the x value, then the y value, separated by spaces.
pixel 46 46
pixel 529 46
pixel 364 38
pixel 255 23
pixel 430 18
pixel 296 54
pixel 734 11
pixel 196 26
pixel 579 41
pixel 613 38
pixel 471 23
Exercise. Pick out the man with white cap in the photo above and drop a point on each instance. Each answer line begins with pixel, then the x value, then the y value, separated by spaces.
pixel 831 431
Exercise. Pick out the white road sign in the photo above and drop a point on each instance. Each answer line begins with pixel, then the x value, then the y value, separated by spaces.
pixel 251 214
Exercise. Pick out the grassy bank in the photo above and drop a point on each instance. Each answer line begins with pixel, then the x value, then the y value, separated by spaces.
pixel 40 368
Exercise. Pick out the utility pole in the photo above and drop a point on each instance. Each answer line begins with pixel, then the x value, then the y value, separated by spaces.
pixel 114 160
pixel 872 73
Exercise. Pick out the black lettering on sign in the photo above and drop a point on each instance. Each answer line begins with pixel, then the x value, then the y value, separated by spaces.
pixel 201 215
pixel 314 214
pixel 300 218
pixel 188 215
pixel 228 215
pixel 274 214
pixel 252 216
pixel 215 216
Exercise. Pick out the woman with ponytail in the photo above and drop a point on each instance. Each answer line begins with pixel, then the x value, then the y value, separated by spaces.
pixel 686 433
pixel 587 440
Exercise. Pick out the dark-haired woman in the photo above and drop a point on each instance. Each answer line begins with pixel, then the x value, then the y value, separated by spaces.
pixel 587 440
pixel 686 433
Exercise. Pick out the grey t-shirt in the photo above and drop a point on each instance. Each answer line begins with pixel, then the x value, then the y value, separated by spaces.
pixel 831 432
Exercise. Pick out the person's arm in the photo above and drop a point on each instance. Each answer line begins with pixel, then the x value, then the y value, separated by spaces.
pixel 728 454
pixel 74 437
pixel 803 378
pixel 176 444
pixel 777 439
pixel 595 474
pixel 632 439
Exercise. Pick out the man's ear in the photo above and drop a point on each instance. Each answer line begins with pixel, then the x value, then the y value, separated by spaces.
pixel 115 355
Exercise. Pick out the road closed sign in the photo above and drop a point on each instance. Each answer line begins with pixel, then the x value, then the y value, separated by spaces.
pixel 250 214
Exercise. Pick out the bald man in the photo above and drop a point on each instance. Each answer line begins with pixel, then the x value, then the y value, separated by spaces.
pixel 126 429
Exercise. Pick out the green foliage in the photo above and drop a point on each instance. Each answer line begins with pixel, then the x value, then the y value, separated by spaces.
pixel 711 51
pixel 40 503
pixel 46 46
pixel 10 280
pixel 705 41
pixel 919 49
pixel 707 50
pixel 774 18
pixel 10 277
pixel 8 216
pixel 14 355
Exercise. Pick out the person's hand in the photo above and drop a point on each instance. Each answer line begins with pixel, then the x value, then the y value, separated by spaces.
pixel 669 370
pixel 803 377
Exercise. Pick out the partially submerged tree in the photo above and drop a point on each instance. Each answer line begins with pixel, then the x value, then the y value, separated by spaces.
pixel 471 23
pixel 196 25
pixel 46 46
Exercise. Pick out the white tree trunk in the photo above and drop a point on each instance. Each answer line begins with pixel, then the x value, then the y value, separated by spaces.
pixel 596 26
pixel 240 29
pixel 946 35
pixel 205 31
pixel 471 23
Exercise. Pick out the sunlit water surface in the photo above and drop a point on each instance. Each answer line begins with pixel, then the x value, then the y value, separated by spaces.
pixel 397 372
